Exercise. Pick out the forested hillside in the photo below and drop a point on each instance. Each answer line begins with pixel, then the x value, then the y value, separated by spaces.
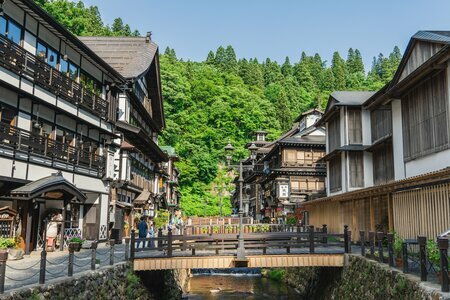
pixel 223 97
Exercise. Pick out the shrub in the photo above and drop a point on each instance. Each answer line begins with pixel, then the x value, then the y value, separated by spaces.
pixel 291 221
pixel 6 243
pixel 76 239
pixel 276 274
pixel 398 241
pixel 433 253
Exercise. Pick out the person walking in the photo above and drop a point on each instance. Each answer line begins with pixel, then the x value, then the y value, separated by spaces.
pixel 142 228
pixel 151 234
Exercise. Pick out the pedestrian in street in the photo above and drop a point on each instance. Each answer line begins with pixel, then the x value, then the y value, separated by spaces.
pixel 142 228
pixel 151 234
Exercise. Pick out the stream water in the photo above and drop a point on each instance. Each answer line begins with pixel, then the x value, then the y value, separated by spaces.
pixel 237 286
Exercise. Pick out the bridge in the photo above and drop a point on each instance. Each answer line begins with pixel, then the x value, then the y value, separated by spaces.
pixel 306 247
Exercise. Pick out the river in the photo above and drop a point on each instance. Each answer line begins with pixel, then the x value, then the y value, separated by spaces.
pixel 237 286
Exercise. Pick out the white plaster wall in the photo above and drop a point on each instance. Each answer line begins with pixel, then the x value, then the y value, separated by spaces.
pixel 24 121
pixel 6 168
pixel 9 77
pixel 397 139
pixel 124 108
pixel 104 210
pixel 429 163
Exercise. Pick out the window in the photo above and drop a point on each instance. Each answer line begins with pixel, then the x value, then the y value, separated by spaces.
pixel 381 123
pixel 356 169
pixel 47 54
pixel 334 136
pixel 14 32
pixel 354 127
pixel 90 83
pixel 52 57
pixel 335 175
pixel 425 118
pixel 73 71
pixel 41 52
pixel 2 26
pixel 383 165
pixel 64 66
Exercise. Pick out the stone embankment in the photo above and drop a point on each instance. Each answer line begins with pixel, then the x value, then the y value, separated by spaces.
pixel 360 278
pixel 116 282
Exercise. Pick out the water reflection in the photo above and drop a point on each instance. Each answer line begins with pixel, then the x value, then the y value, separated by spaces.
pixel 237 287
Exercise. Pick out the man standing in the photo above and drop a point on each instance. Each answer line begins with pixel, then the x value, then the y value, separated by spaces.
pixel 142 228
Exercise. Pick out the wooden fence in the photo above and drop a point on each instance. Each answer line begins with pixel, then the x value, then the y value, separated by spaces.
pixel 423 211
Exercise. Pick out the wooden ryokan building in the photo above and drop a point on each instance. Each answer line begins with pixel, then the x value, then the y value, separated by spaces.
pixel 388 155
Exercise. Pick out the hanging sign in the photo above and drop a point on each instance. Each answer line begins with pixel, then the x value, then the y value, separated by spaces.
pixel 283 190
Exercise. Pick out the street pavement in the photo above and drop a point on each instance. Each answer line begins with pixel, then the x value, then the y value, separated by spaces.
pixel 24 272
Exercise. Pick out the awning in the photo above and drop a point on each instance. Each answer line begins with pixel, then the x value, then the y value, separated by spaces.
pixel 142 198
pixel 53 187
pixel 123 204
pixel 137 137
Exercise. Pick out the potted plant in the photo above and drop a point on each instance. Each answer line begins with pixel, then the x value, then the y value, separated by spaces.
pixel 398 242
pixel 434 257
pixel 10 245
pixel 75 243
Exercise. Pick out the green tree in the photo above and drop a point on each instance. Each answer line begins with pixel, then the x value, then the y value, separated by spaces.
pixel 339 71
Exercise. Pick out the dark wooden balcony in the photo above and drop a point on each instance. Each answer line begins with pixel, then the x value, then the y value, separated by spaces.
pixel 19 61
pixel 24 141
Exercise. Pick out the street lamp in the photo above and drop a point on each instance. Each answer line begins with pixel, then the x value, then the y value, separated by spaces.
pixel 240 256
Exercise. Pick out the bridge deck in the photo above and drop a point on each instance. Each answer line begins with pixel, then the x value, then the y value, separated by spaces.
pixel 226 261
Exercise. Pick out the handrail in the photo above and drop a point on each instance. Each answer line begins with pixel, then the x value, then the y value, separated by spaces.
pixel 20 61
pixel 24 140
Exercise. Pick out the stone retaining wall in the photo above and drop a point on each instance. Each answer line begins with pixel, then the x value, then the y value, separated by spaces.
pixel 360 278
pixel 117 282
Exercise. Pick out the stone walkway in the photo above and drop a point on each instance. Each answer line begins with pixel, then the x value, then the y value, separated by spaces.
pixel 25 272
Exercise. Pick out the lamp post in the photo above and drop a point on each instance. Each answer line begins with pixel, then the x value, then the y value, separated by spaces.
pixel 229 150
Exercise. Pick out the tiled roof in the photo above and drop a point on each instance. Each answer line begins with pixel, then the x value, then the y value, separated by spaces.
pixel 351 97
pixel 433 36
pixel 130 56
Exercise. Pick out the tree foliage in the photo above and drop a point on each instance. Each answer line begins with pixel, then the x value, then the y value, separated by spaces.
pixel 207 103
pixel 84 20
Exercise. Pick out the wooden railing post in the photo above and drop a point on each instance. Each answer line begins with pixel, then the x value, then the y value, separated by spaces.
pixel 93 255
pixel 42 266
pixel 380 236
pixel 160 242
pixel 443 249
pixel 3 259
pixel 324 232
pixel 311 239
pixel 362 241
pixel 133 244
pixel 111 252
pixel 127 248
pixel 405 258
pixel 390 239
pixel 346 239
pixel 71 257
pixel 372 243
pixel 423 257
pixel 169 243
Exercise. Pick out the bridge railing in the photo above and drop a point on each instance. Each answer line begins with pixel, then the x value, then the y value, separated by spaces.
pixel 310 241
pixel 422 256
pixel 248 228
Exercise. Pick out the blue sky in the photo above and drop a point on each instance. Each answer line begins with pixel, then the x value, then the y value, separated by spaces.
pixel 279 28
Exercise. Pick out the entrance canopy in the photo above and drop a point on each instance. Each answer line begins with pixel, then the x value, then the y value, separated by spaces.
pixel 54 186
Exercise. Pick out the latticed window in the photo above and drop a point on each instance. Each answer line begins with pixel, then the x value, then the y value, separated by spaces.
pixel 335 175
pixel 356 167
pixel 354 127
pixel 425 118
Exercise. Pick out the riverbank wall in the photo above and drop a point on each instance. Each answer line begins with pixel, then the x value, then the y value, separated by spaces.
pixel 360 278
pixel 115 282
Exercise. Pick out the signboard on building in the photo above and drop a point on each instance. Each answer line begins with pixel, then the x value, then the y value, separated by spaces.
pixel 283 191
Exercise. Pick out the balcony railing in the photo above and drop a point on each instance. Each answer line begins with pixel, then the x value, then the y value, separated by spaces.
pixel 142 182
pixel 22 140
pixel 142 98
pixel 21 62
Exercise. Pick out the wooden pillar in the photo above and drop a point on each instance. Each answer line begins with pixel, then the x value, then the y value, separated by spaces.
pixel 372 214
pixel 63 226
pixel 390 212
pixel 28 229
pixel 354 220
